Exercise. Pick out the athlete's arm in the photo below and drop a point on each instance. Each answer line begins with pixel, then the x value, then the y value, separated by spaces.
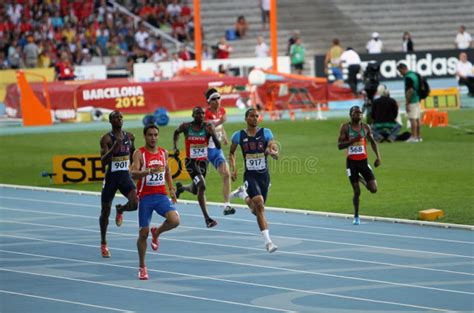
pixel 233 170
pixel 132 146
pixel 137 164
pixel 344 141
pixel 225 140
pixel 212 132
pixel 107 148
pixel 272 149
pixel 181 129
pixel 373 144
pixel 169 179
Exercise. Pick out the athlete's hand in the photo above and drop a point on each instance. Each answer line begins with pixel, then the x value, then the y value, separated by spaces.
pixel 377 163
pixel 209 128
pixel 273 152
pixel 233 176
pixel 225 141
pixel 173 195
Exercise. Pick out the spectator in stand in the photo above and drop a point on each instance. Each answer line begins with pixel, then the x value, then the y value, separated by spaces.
pixel 333 60
pixel 297 52
pixel 352 60
pixel 161 53
pixel 69 32
pixel 241 27
pixel 407 43
pixel 463 39
pixel 184 53
pixel 177 64
pixel 141 35
pixel 6 27
pixel 173 10
pixel 223 49
pixel 179 31
pixel 31 53
pixel 113 48
pixel 57 20
pixel 374 45
pixel 137 55
pixel 265 8
pixel 64 68
pixel 186 11
pixel 3 61
pixel 14 11
pixel 206 55
pixel 102 38
pixel 465 73
pixel 261 49
pixel 14 55
pixel 292 40
pixel 384 114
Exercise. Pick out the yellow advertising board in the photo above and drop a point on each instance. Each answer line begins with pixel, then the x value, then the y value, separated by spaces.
pixel 442 99
pixel 87 168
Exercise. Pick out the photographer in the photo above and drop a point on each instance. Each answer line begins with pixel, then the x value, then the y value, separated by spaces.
pixel 371 83
pixel 384 114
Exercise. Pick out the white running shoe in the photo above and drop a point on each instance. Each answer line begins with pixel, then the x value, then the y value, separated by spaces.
pixel 271 247
pixel 238 193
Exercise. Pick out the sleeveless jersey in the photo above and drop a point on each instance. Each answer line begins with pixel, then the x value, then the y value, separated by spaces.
pixel 213 118
pixel 196 144
pixel 357 150
pixel 253 150
pixel 152 183
pixel 120 159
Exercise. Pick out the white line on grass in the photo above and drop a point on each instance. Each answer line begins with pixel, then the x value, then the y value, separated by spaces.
pixel 260 266
pixel 218 279
pixel 274 236
pixel 64 301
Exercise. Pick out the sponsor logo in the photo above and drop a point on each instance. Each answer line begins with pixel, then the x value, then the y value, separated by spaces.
pixel 112 93
pixel 425 66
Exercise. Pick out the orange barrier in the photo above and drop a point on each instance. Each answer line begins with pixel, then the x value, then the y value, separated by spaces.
pixel 32 110
pixel 428 116
pixel 440 119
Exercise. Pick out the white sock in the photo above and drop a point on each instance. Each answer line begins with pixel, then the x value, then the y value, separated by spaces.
pixel 226 204
pixel 266 236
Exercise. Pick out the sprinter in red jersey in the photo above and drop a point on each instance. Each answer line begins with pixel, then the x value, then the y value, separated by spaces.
pixel 151 169
pixel 353 136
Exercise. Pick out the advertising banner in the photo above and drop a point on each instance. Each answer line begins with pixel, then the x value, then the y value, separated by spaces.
pixel 430 64
pixel 87 168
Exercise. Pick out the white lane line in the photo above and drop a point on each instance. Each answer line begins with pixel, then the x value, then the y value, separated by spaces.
pixel 235 282
pixel 63 301
pixel 263 266
pixel 272 223
pixel 248 248
pixel 274 236
pixel 143 289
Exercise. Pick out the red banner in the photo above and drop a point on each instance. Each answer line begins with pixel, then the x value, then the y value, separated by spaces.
pixel 181 93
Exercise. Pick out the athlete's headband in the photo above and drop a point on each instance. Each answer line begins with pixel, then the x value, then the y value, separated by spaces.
pixel 214 95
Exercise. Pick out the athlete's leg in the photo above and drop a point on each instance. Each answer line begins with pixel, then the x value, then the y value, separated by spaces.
pixel 223 170
pixel 132 203
pixel 172 221
pixel 372 186
pixel 104 221
pixel 141 245
pixel 259 208
pixel 355 198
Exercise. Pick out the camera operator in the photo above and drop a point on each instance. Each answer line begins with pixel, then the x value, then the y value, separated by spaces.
pixel 371 83
pixel 384 115
pixel 352 60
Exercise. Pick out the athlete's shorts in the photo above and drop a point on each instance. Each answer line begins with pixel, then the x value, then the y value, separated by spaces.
pixel 356 167
pixel 120 180
pixel 196 168
pixel 149 203
pixel 415 111
pixel 257 184
pixel 215 157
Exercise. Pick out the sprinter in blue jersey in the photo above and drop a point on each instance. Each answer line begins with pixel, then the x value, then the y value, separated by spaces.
pixel 116 147
pixel 256 144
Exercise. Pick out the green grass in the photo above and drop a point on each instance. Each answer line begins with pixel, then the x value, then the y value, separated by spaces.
pixel 437 173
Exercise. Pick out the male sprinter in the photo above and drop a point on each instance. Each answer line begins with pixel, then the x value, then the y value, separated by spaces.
pixel 215 114
pixel 150 167
pixel 353 136
pixel 256 144
pixel 116 147
pixel 196 138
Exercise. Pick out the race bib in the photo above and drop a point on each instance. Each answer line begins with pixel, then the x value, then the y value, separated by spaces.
pixel 120 164
pixel 156 179
pixel 197 151
pixel 255 162
pixel 355 150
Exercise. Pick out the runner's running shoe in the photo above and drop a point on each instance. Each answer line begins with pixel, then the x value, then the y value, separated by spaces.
pixel 105 251
pixel 155 243
pixel 142 273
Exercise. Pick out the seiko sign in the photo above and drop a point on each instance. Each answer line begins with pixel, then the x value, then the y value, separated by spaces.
pixel 430 64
